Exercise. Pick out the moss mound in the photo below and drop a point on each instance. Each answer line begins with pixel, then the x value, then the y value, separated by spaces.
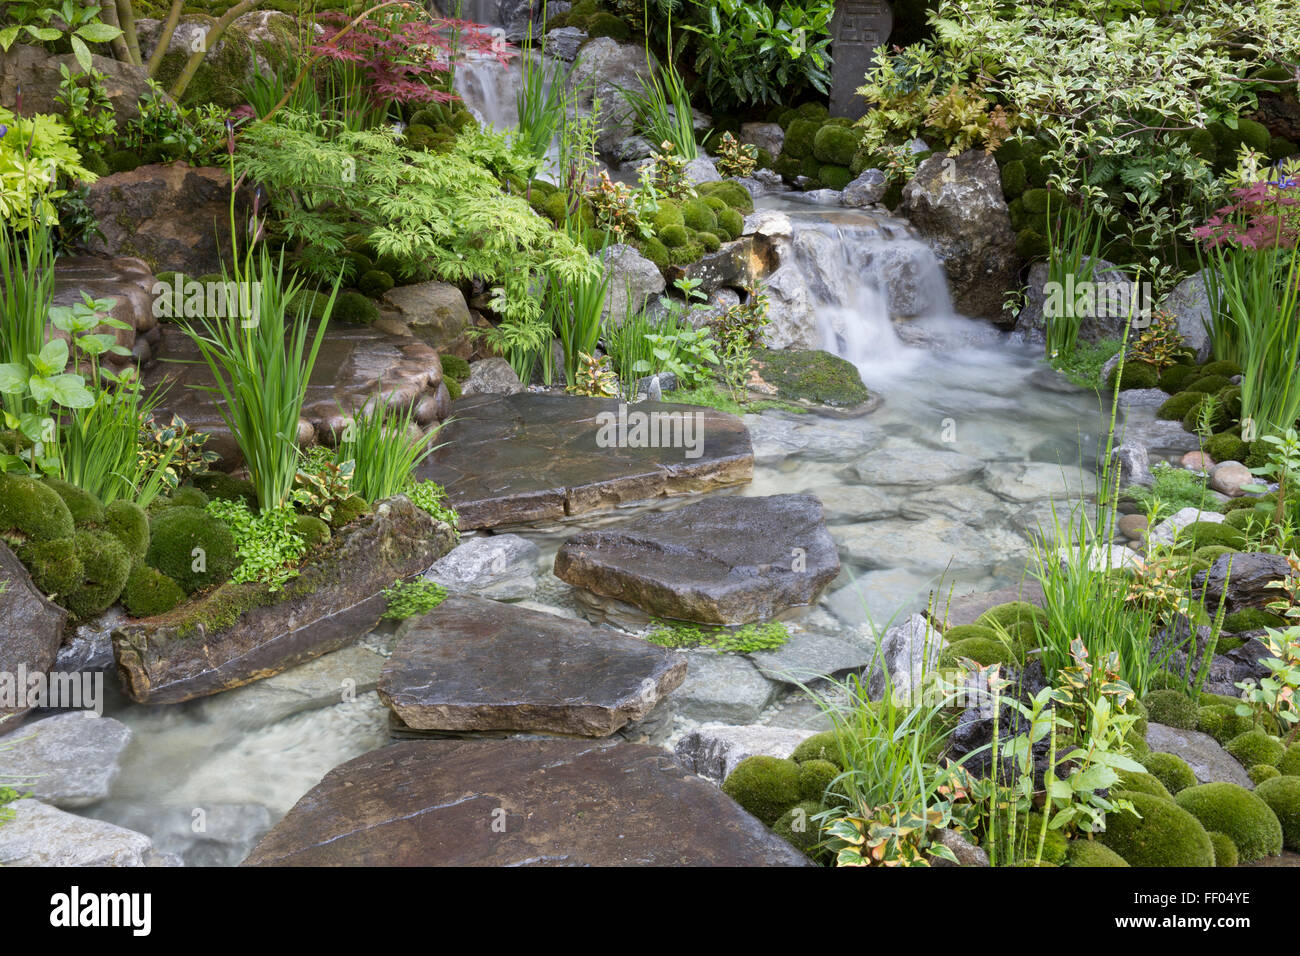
pixel 1091 853
pixel 1222 722
pixel 1161 834
pixel 1176 408
pixel 1174 378
pixel 149 592
pixel 217 484
pixel 1282 795
pixel 812 375
pixel 1142 783
pixel 1251 618
pixel 1012 614
pixel 1225 851
pixel 963 632
pixel 730 192
pixel 105 565
pixel 31 511
pixel 53 565
pixel 313 530
pixel 1261 772
pixel 1290 762
pixel 1170 769
pixel 354 309
pixel 836 145
pixel 1226 446
pixel 1256 747
pixel 86 510
pixel 982 650
pixel 189 497
pixel 191 547
pixel 1171 708
pixel 814 777
pixel 128 523
pixel 454 367
pixel 1242 815
pixel 764 786
pixel 1134 375
pixel 821 746
pixel 1199 534
pixel 797 827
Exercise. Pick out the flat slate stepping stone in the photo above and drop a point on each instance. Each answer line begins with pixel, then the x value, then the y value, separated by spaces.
pixel 518 802
pixel 68 760
pixel 725 560
pixel 478 665
pixel 533 457
pixel 723 687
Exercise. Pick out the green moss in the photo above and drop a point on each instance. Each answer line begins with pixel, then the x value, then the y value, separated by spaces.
pixel 192 547
pixel 148 592
pixel 608 25
pixel 85 507
pixel 375 283
pixel 673 237
pixel 1036 200
pixel 1200 534
pixel 834 177
pixel 1174 378
pixel 1208 384
pixel 53 565
pixel 1211 553
pixel 797 827
pixel 1226 446
pixel 1178 406
pixel 313 530
pixel 668 214
pixel 348 511
pixel 1090 853
pixel 812 375
pixel 787 167
pixel 821 746
pixel 1225 851
pixel 1013 179
pixel 218 484
pixel 685 254
pixel 1142 783
pixel 1225 367
pixel 122 160
pixel 1011 614
pixel 453 388
pixel 31 511
pixel 815 776
pixel 1170 769
pixel 1030 244
pixel 453 366
pixel 799 137
pixel 836 145
pixel 964 631
pixel 1282 795
pixel 1171 708
pixel 128 523
pixel 1222 722
pixel 709 241
pixel 354 309
pixel 1250 619
pixel 981 650
pixel 1256 747
pixel 189 497
pixel 1160 834
pixel 1290 762
pixel 1054 845
pixel 1261 772
pixel 731 224
pixel 106 566
pixel 1242 815
pixel 655 251
pixel 730 192
pixel 765 786
pixel 697 215
pixel 1135 375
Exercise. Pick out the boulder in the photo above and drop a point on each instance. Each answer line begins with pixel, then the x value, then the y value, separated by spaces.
pixel 31 629
pixel 701 170
pixel 36 70
pixel 768 136
pixel 1134 464
pixel 1229 477
pixel 435 312
pixel 1107 323
pixel 518 802
pixel 723 687
pixel 69 760
pixel 1165 531
pixel 133 291
pixel 1189 301
pixel 1247 586
pixel 732 264
pixel 713 750
pixel 957 206
pixel 477 665
pixel 726 560
pixel 240 633
pixel 563 43
pixel 502 567
pixel 173 217
pixel 491 376
pixel 41 835
pixel 601 72
pixel 869 188
pixel 633 280
pixel 1210 762
pixel 907 652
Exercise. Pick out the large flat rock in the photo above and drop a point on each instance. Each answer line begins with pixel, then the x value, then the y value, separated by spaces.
pixel 478 665
pixel 725 560
pixel 518 802
pixel 356 363
pixel 531 457
pixel 41 835
pixel 31 629
pixel 68 760
pixel 1210 762
pixel 198 649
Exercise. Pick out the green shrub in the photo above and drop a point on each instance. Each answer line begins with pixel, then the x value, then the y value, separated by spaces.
pixel 1290 762
pixel 86 510
pixel 1176 408
pixel 1172 708
pixel 1261 772
pixel 53 565
pixel 149 592
pixel 191 547
pixel 1234 810
pixel 106 566
pixel 1090 853
pixel 31 511
pixel 820 746
pixel 1142 783
pixel 1256 747
pixel 797 827
pixel 128 523
pixel 1225 851
pixel 1170 769
pixel 1282 795
pixel 1162 834
pixel 815 776
pixel 765 786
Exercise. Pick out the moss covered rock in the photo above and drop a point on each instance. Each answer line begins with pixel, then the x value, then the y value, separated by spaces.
pixel 192 547
pixel 1142 783
pixel 1175 408
pixel 765 786
pixel 1172 708
pixel 31 511
pixel 1091 853
pixel 86 510
pixel 982 650
pixel 105 567
pixel 812 375
pixel 1261 772
pixel 1255 747
pixel 148 592
pixel 1242 815
pixel 1251 618
pixel 313 530
pixel 1134 375
pixel 1170 769
pixel 1282 795
pixel 127 522
pixel 1290 762
pixel 815 776
pixel 797 827
pixel 1161 834
pixel 53 565
pixel 1225 851
pixel 1222 722
pixel 820 746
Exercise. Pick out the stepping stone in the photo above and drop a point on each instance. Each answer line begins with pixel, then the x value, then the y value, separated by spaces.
pixel 518 802
pixel 477 665
pixel 502 567
pixel 903 463
pixel 723 687
pixel 533 457
pixel 68 760
pixel 355 364
pixel 810 654
pixel 1035 481
pixel 41 835
pixel 713 750
pixel 724 560
pixel 31 629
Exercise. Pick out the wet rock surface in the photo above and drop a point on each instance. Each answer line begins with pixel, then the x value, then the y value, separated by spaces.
pixel 477 665
pixel 726 560
pixel 1209 761
pixel 31 629
pixel 42 835
pixel 68 760
pixel 532 457
pixel 562 802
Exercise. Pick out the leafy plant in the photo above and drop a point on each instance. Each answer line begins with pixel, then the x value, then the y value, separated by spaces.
pixel 36 158
pixel 593 377
pixel 413 598
pixel 746 639
pixel 575 309
pixel 431 497
pixel 540 103
pixel 267 544
pixel 1160 342
pixel 322 483
pixel 48 21
pixel 734 158
pixel 662 107
pixel 384 447
pixel 86 109
pixel 1283 464
pixel 1074 235
pixel 1172 489
pixel 175 449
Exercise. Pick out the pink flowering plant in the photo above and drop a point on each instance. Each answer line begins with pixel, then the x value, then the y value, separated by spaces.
pixel 1254 281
